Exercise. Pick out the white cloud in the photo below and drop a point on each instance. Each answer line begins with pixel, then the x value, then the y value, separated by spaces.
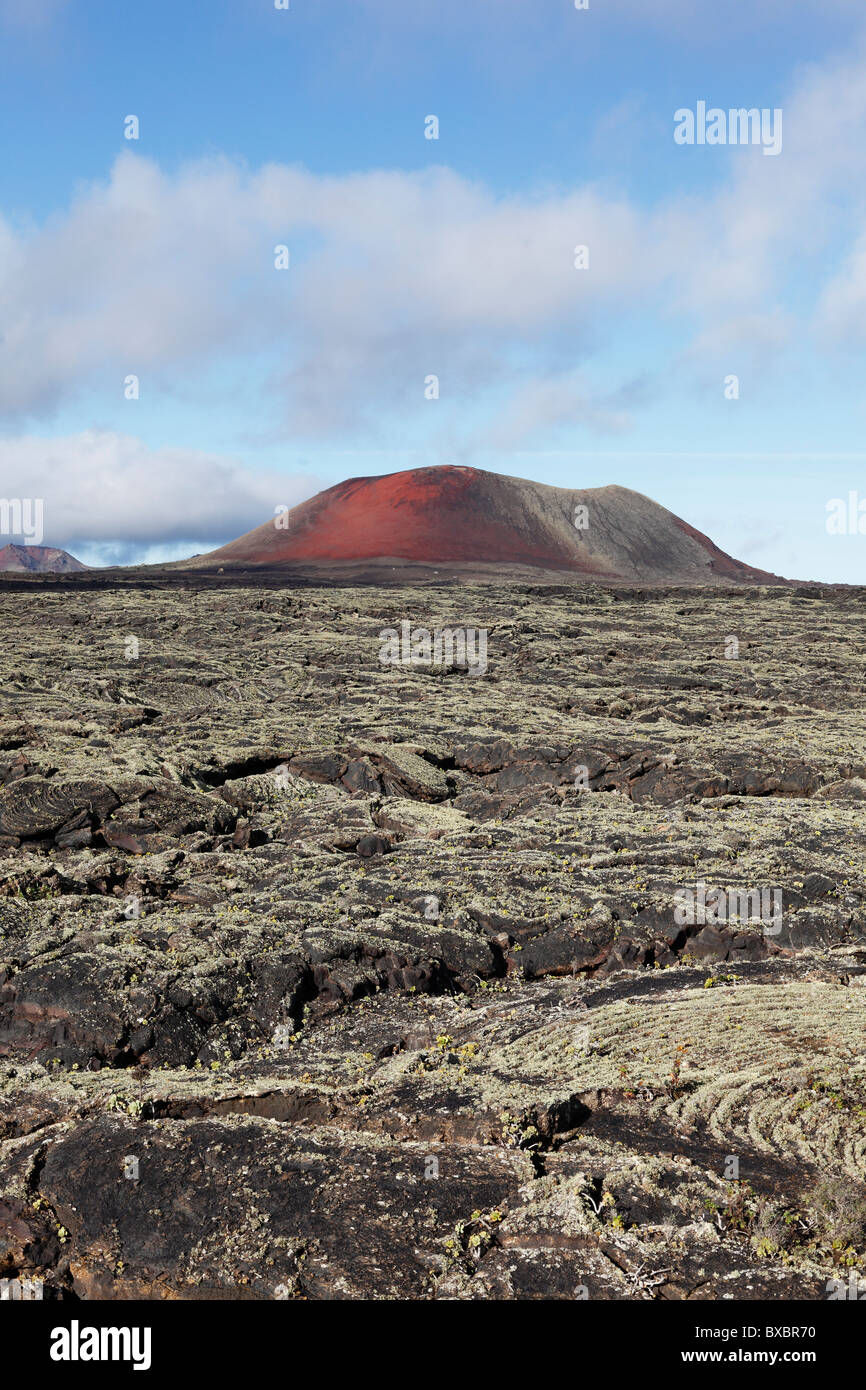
pixel 398 275
pixel 555 401
pixel 842 308
pixel 99 486
pixel 157 273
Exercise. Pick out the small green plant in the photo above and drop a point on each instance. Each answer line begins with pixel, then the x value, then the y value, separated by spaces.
pixel 839 1206
pixel 474 1237
pixel 674 1087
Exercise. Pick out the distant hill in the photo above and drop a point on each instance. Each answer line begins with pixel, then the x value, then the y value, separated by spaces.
pixel 458 518
pixel 38 559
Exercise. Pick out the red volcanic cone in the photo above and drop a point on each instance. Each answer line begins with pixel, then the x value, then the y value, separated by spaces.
pixel 466 517
pixel 38 559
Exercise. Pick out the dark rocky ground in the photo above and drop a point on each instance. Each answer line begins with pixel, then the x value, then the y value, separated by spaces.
pixel 322 979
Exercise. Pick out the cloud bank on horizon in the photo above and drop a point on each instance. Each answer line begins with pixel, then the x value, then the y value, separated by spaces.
pixel 552 288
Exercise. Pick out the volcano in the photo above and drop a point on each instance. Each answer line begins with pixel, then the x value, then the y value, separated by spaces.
pixel 38 559
pixel 468 520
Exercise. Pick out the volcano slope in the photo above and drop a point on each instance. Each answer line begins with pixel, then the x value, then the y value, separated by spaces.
pixel 38 559
pixel 323 978
pixel 470 522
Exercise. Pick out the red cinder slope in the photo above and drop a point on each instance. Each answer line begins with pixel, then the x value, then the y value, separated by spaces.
pixel 466 516
pixel 38 559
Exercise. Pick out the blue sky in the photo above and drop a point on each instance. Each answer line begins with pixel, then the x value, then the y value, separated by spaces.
pixel 410 257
